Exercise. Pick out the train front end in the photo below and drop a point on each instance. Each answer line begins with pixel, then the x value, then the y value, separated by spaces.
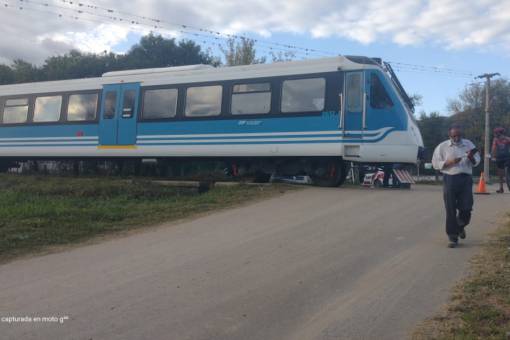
pixel 378 116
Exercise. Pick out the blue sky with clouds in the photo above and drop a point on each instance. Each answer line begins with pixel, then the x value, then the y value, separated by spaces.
pixel 460 37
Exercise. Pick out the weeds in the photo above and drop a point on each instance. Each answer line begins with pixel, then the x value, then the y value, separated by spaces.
pixel 36 212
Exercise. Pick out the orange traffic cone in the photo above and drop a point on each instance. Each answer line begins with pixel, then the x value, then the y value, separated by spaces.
pixel 481 186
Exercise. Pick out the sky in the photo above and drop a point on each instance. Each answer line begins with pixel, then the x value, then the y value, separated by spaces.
pixel 437 47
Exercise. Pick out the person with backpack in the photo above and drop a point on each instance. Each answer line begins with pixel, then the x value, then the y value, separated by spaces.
pixel 501 154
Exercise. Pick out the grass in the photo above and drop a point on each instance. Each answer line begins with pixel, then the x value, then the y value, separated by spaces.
pixel 480 305
pixel 38 212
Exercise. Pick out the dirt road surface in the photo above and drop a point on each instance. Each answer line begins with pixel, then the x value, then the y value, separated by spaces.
pixel 342 263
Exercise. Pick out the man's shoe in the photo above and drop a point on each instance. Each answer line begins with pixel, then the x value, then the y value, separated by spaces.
pixel 452 241
pixel 462 234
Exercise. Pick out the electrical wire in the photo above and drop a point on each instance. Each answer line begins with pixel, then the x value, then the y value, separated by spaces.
pixel 208 37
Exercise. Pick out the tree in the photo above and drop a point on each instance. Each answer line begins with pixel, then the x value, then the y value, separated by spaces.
pixel 190 53
pixel 472 97
pixel 416 99
pixel 6 75
pixel 78 65
pixel 241 52
pixel 433 130
pixel 469 109
pixel 156 51
pixel 24 72
pixel 282 56
pixel 151 51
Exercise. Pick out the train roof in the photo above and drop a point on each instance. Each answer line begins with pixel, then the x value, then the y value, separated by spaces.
pixel 194 74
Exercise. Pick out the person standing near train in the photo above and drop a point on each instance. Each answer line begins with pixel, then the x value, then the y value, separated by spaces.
pixel 455 158
pixel 501 154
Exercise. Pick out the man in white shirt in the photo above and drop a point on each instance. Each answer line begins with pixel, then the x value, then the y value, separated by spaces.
pixel 455 158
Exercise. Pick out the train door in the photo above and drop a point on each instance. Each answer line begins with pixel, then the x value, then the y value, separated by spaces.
pixel 354 103
pixel 119 111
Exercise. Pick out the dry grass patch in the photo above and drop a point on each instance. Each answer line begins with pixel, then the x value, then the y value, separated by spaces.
pixel 480 305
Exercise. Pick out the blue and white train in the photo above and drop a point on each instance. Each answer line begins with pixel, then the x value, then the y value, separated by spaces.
pixel 311 116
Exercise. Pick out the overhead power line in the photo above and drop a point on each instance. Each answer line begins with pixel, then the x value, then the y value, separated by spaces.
pixel 79 15
pixel 209 37
pixel 436 69
pixel 199 29
pixel 155 24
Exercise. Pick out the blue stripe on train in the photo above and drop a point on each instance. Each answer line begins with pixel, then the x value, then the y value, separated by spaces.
pixel 170 138
pixel 361 141
pixel 311 134
pixel 156 143
pixel 327 121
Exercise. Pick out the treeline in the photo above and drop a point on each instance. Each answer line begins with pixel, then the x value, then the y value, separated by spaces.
pixel 468 110
pixel 151 51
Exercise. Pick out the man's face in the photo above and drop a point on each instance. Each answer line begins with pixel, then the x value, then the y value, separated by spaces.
pixel 455 135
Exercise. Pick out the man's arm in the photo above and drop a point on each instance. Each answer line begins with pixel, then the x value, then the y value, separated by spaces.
pixel 440 162
pixel 437 159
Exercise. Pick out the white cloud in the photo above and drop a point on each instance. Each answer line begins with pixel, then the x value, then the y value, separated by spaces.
pixel 98 40
pixel 33 34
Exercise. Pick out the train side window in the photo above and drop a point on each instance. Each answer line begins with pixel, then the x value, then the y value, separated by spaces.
pixel 15 111
pixel 203 101
pixel 128 107
pixel 110 104
pixel 379 98
pixel 354 92
pixel 159 104
pixel 303 95
pixel 47 109
pixel 251 98
pixel 82 107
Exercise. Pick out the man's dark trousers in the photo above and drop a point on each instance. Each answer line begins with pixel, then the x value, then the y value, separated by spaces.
pixel 458 196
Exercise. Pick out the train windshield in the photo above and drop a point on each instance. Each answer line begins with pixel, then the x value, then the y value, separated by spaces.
pixel 407 100
pixel 377 61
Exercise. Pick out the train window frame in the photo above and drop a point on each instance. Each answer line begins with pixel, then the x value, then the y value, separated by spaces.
pixel 322 77
pixel 354 106
pixel 129 97
pixel 186 96
pixel 106 114
pixel 178 92
pixel 97 107
pixel 241 92
pixel 384 97
pixel 4 106
pixel 332 87
pixel 61 96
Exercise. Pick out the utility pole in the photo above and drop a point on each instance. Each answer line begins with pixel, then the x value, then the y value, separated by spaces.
pixel 486 149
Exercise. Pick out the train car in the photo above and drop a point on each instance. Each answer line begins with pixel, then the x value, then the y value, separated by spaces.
pixel 300 117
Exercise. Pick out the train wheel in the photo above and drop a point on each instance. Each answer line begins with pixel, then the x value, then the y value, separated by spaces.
pixel 4 166
pixel 328 173
pixel 261 177
pixel 378 184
